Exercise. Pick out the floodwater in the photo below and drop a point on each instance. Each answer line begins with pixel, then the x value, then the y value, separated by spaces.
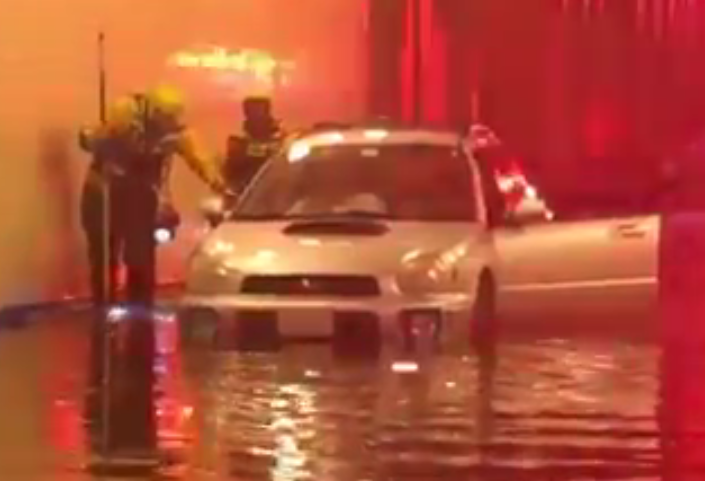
pixel 547 410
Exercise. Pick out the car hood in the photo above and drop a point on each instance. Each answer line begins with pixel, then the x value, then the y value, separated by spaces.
pixel 272 248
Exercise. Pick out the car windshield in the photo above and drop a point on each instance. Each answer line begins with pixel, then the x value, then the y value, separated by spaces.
pixel 397 182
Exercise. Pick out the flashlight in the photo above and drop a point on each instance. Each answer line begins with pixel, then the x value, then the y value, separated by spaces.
pixel 163 235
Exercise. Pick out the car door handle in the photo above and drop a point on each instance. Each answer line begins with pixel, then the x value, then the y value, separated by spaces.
pixel 630 231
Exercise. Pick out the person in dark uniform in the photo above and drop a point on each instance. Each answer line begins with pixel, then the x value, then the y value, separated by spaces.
pixel 262 137
pixel 132 155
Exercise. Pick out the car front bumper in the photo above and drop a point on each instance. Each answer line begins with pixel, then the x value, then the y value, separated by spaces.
pixel 295 318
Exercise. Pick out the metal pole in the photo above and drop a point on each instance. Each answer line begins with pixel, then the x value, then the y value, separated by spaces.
pixel 107 264
pixel 102 80
pixel 102 112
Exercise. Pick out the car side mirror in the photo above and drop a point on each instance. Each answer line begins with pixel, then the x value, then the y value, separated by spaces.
pixel 213 210
pixel 529 211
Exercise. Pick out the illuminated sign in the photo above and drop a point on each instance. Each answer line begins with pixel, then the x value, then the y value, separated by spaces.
pixel 260 64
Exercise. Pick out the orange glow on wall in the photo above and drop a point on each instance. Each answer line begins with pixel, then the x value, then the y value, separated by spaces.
pixel 216 52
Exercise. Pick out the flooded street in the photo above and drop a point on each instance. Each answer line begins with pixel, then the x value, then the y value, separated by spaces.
pixel 568 410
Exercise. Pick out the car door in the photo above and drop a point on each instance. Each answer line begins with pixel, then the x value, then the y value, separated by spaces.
pixel 599 270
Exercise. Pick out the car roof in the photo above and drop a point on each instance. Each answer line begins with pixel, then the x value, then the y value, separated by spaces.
pixel 380 136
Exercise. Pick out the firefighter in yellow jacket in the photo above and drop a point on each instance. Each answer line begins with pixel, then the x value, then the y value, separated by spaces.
pixel 132 156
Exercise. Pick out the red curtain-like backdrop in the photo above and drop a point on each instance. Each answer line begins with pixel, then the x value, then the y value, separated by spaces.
pixel 591 93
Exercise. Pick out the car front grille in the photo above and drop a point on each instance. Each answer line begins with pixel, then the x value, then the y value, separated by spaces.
pixel 314 285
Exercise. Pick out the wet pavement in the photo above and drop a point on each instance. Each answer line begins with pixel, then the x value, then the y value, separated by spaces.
pixel 549 409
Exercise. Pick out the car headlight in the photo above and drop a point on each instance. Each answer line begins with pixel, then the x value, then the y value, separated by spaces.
pixel 210 252
pixel 227 268
pixel 419 274
pixel 218 280
pixel 212 273
pixel 201 260
pixel 217 248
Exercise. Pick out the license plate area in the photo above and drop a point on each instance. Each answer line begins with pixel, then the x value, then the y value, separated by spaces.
pixel 306 323
pixel 252 330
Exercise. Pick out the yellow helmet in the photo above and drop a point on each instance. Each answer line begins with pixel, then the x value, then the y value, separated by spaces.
pixel 167 101
pixel 122 113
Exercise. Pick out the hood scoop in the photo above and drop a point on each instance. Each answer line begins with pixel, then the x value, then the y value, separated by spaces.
pixel 336 227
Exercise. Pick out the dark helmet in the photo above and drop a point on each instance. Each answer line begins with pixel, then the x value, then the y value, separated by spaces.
pixel 257 106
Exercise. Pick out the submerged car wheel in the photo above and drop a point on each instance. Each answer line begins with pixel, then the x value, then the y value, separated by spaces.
pixel 483 328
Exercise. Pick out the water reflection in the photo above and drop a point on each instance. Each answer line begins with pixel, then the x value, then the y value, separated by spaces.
pixel 121 414
pixel 137 411
pixel 545 410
